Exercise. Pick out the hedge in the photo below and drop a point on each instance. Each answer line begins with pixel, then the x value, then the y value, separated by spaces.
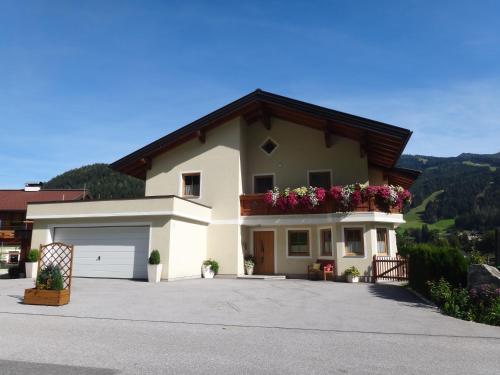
pixel 431 263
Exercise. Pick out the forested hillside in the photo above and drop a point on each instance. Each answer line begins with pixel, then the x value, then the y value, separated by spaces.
pixel 101 181
pixel 462 190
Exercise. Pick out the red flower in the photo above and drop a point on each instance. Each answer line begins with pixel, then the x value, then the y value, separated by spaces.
pixel 320 194
pixel 336 193
pixel 384 192
pixel 356 197
pixel 371 191
pixel 268 197
pixel 293 199
pixel 282 203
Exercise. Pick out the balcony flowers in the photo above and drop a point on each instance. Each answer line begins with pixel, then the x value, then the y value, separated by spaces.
pixel 308 197
pixel 345 197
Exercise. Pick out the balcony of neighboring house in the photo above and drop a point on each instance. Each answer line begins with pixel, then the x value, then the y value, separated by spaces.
pixel 14 239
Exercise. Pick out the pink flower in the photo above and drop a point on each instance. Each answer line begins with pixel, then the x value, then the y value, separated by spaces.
pixel 293 199
pixel 384 192
pixel 268 197
pixel 320 194
pixel 336 193
pixel 282 203
pixel 371 191
pixel 356 198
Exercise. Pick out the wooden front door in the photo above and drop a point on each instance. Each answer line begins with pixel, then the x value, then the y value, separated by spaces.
pixel 263 250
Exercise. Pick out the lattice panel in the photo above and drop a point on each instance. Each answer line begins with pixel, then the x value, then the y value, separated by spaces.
pixel 58 254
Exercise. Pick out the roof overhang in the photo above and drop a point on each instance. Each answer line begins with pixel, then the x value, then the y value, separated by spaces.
pixel 382 143
pixel 402 176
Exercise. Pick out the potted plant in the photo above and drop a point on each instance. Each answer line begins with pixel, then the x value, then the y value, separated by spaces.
pixel 352 274
pixel 31 264
pixel 154 267
pixel 209 268
pixel 249 264
pixel 49 288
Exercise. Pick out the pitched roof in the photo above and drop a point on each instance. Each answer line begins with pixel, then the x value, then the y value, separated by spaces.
pixel 382 142
pixel 17 200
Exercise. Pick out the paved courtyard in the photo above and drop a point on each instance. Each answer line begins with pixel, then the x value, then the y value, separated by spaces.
pixel 227 326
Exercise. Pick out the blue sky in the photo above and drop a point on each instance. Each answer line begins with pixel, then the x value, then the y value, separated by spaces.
pixel 90 81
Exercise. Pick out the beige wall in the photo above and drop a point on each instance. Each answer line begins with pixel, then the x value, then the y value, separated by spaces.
pixel 300 149
pixel 298 265
pixel 218 161
pixel 187 249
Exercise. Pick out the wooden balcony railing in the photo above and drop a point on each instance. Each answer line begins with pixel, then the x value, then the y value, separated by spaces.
pixel 254 204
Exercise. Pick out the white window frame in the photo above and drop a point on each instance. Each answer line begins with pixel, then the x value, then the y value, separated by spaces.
pixel 181 185
pixel 273 151
pixel 286 244
pixel 319 170
pixel 263 229
pixel 260 175
pixel 342 235
pixel 320 256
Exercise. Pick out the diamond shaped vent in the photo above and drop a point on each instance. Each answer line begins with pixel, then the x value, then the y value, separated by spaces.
pixel 269 146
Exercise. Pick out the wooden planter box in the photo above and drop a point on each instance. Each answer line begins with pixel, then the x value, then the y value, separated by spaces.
pixel 46 297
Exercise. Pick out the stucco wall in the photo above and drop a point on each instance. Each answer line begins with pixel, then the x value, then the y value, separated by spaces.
pixel 301 149
pixel 298 265
pixel 218 161
pixel 187 250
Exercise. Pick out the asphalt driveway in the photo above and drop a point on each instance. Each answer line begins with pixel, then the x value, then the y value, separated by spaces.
pixel 245 326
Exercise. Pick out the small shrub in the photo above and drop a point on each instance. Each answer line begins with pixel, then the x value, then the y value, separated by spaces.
pixel 14 272
pixel 475 257
pixel 353 271
pixel 214 266
pixel 453 301
pixel 249 261
pixel 33 255
pixel 50 278
pixel 154 258
pixel 492 314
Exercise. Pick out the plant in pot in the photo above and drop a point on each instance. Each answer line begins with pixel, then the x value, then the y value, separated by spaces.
pixel 352 274
pixel 249 264
pixel 31 264
pixel 154 267
pixel 209 268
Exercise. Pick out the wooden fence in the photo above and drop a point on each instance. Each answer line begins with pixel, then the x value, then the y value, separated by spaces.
pixel 390 268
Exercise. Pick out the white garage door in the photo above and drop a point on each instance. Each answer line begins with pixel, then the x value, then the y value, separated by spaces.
pixel 120 252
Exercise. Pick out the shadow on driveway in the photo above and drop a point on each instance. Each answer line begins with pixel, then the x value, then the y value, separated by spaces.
pixel 397 293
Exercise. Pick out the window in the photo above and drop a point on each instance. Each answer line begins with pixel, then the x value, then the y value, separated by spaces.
pixel 298 243
pixel 353 241
pixel 325 242
pixel 191 184
pixel 262 184
pixel 269 146
pixel 320 179
pixel 382 241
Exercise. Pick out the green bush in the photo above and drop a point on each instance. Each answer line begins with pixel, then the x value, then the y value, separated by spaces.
pixel 481 304
pixel 33 255
pixel 50 278
pixel 214 266
pixel 475 257
pixel 431 263
pixel 154 258
pixel 353 271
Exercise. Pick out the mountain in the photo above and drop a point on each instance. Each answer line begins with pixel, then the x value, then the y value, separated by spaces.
pixel 101 181
pixel 461 191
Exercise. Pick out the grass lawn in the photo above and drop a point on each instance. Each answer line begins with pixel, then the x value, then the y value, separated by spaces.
pixel 414 216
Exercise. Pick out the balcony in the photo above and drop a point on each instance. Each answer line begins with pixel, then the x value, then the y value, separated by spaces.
pixel 255 204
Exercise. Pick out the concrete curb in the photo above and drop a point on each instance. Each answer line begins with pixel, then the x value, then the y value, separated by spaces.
pixel 420 296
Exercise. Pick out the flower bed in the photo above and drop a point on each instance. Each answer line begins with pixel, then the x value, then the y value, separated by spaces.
pixel 345 198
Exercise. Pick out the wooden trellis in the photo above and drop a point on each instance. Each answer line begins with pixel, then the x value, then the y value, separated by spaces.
pixel 57 254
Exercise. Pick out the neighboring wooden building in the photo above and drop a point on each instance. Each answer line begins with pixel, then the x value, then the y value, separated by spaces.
pixel 15 230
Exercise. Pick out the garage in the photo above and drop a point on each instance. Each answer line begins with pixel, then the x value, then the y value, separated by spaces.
pixel 107 251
